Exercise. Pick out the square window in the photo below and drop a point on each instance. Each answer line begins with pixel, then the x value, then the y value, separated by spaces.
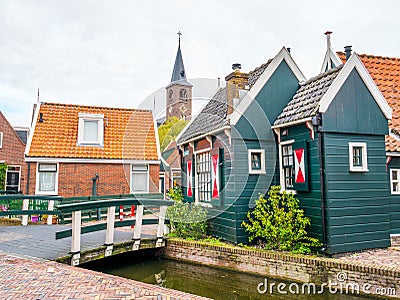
pixel 47 179
pixel 203 177
pixel 90 130
pixel 256 161
pixel 287 166
pixel 139 179
pixel 395 181
pixel 358 157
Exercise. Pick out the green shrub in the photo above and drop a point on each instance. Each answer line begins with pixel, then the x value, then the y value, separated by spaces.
pixel 175 193
pixel 3 170
pixel 187 220
pixel 277 223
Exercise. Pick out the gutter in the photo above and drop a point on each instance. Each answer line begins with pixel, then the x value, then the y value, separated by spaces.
pixel 317 122
pixel 292 123
pixel 203 135
pixel 394 154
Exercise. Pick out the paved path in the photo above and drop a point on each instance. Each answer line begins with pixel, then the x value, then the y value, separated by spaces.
pixel 39 240
pixel 389 257
pixel 27 278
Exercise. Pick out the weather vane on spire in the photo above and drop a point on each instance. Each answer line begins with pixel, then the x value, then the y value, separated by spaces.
pixel 179 34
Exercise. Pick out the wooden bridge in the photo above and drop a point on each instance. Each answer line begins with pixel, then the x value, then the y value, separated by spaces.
pixel 130 222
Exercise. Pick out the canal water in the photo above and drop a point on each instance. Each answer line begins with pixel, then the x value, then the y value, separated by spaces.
pixel 201 280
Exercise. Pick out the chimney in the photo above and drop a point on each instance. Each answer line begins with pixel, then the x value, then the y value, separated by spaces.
pixel 235 81
pixel 347 50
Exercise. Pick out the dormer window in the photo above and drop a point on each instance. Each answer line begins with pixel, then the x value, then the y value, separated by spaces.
pixel 91 130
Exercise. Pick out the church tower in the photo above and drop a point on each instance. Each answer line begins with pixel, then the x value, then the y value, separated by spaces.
pixel 179 91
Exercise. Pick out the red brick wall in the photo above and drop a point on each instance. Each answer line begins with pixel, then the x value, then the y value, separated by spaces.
pixel 12 152
pixel 76 179
pixel 202 144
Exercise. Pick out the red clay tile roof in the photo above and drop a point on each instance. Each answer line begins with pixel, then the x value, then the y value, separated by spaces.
pixel 128 133
pixel 385 71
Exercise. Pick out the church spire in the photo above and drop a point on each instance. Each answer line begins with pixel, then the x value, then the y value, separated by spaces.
pixel 179 74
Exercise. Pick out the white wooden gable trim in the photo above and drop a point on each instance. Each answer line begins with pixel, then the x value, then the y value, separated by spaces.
pixel 354 62
pixel 266 75
pixel 32 129
pixel 330 56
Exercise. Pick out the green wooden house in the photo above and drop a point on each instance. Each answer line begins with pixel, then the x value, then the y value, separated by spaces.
pixel 333 131
pixel 323 139
pixel 229 149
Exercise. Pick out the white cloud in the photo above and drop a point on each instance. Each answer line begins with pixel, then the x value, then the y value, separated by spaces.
pixel 117 53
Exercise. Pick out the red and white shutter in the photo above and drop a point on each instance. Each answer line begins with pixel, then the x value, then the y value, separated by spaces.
pixel 215 176
pixel 189 178
pixel 300 166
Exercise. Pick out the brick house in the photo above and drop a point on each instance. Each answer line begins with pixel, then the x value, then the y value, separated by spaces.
pixel 12 154
pixel 74 148
pixel 170 172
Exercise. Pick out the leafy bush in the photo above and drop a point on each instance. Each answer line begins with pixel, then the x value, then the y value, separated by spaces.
pixel 175 193
pixel 3 170
pixel 278 223
pixel 187 220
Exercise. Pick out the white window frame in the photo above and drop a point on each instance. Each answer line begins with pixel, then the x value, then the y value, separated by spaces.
pixel 262 157
pixel 160 187
pixel 394 181
pixel 196 178
pixel 19 181
pixel 364 157
pixel 139 172
pixel 52 193
pixel 1 140
pixel 281 171
pixel 100 129
pixel 175 170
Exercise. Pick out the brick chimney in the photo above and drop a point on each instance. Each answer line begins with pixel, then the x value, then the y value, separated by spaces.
pixel 235 81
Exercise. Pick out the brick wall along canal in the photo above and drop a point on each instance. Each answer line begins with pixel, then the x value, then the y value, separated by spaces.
pixel 215 283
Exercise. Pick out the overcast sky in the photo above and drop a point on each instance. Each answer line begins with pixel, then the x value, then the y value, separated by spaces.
pixel 117 53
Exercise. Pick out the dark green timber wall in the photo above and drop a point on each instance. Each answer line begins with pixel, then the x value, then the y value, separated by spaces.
pixel 310 201
pixel 357 202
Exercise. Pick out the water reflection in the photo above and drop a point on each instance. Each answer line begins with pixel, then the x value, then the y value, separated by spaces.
pixel 201 280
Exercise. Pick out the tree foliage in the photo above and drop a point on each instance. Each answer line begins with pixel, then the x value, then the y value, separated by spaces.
pixel 168 131
pixel 3 171
pixel 277 223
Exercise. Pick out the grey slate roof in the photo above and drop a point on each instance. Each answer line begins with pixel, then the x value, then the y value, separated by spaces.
pixel 212 117
pixel 179 74
pixel 305 102
pixel 256 73
pixel 214 114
